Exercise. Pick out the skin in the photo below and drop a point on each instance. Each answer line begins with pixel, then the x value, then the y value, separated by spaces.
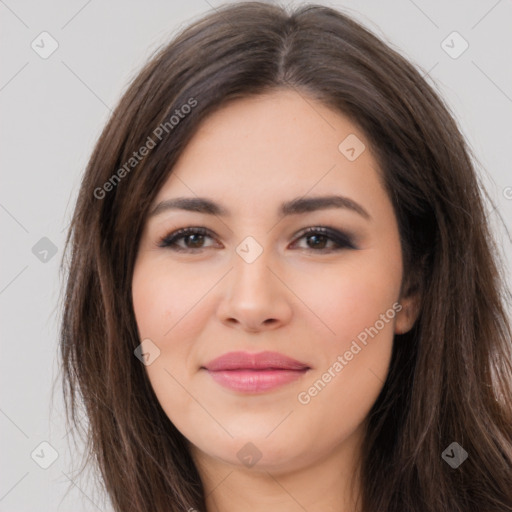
pixel 299 297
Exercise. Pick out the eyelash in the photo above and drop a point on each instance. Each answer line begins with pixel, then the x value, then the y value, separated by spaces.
pixel 342 240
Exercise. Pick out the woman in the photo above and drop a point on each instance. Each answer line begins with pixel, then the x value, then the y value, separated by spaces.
pixel 283 293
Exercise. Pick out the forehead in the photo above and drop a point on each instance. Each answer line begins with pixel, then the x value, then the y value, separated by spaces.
pixel 274 145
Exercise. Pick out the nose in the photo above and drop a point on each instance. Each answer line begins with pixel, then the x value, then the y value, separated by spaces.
pixel 254 298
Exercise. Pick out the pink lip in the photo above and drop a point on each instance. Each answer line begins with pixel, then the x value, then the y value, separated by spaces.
pixel 242 371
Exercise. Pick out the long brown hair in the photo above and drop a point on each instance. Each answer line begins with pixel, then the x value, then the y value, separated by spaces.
pixel 450 378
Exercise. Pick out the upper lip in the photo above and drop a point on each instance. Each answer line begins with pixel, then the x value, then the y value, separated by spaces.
pixel 260 361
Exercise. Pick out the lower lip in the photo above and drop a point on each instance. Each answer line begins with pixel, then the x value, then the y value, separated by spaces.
pixel 255 381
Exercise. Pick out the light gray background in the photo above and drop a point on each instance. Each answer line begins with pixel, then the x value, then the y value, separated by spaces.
pixel 53 110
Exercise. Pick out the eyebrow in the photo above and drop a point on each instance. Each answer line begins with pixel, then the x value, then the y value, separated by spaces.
pixel 293 207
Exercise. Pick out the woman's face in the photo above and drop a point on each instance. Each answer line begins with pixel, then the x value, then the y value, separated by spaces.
pixel 253 281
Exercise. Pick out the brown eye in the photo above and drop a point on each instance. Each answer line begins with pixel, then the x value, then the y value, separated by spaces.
pixel 319 238
pixel 192 238
pixel 318 241
pixel 195 240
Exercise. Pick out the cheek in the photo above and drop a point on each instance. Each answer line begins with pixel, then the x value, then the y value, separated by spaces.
pixel 357 303
pixel 355 360
pixel 169 312
pixel 163 299
pixel 348 298
pixel 150 307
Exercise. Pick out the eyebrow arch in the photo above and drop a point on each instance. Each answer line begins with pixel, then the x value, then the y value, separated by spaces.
pixel 293 207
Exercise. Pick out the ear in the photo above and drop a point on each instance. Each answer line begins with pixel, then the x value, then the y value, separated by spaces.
pixel 408 314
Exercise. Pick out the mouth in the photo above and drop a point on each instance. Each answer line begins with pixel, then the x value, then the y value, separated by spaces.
pixel 255 373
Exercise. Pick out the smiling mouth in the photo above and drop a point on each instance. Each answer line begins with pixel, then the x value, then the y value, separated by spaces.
pixel 255 373
pixel 255 381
